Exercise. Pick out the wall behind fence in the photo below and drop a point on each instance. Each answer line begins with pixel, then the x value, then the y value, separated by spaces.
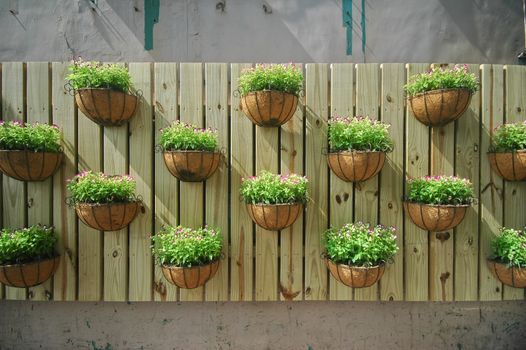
pixel 262 265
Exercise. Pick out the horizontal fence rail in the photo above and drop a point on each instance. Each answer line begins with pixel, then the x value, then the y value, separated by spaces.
pixel 258 264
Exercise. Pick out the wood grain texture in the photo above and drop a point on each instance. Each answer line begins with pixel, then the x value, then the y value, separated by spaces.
pixel 166 185
pixel 366 193
pixel 392 176
pixel 141 163
pixel 242 233
pixel 316 170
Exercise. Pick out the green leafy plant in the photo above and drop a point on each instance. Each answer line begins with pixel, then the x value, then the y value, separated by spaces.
pixel 440 190
pixel 280 77
pixel 358 134
pixel 268 188
pixel 509 137
pixel 25 245
pixel 15 135
pixel 510 247
pixel 94 75
pixel 99 188
pixel 360 244
pixel 185 247
pixel 442 78
pixel 182 136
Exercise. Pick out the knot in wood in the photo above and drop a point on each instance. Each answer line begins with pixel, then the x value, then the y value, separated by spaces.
pixel 442 236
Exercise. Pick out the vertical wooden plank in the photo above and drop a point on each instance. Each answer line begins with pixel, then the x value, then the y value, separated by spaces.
pixel 14 191
pixel 216 84
pixel 64 218
pixel 39 193
pixel 316 170
pixel 392 176
pixel 90 241
pixel 115 151
pixel 366 193
pixel 166 189
pixel 491 184
pixel 515 192
pixel 467 166
pixel 291 238
pixel 241 155
pixel 141 164
pixel 341 192
pixel 192 193
pixel 416 241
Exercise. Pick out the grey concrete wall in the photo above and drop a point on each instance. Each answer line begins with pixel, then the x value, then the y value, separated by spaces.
pixel 306 325
pixel 471 31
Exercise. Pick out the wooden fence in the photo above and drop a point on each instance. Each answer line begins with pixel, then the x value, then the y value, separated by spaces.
pixel 261 265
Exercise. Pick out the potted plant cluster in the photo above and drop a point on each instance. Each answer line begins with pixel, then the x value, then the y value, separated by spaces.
pixel 27 256
pixel 508 263
pixel 441 95
pixel 188 257
pixel 190 153
pixel 274 201
pixel 29 152
pixel 269 93
pixel 103 92
pixel 355 254
pixel 438 203
pixel 357 147
pixel 103 202
pixel 507 153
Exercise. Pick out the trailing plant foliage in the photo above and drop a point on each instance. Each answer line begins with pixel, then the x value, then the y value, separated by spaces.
pixel 509 137
pixel 182 136
pixel 15 135
pixel 26 244
pixel 442 78
pixel 268 188
pixel 185 247
pixel 97 75
pixel 360 244
pixel 510 247
pixel 279 77
pixel 358 134
pixel 99 188
pixel 440 190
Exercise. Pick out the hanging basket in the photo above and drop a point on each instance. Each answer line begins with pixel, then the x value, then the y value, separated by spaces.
pixel 510 166
pixel 29 165
pixel 355 276
pixel 190 277
pixel 108 217
pixel 105 106
pixel 269 107
pixel 192 166
pixel 354 166
pixel 435 218
pixel 29 274
pixel 439 107
pixel 274 217
pixel 510 276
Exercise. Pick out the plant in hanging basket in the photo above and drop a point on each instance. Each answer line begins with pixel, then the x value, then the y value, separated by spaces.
pixel 269 93
pixel 508 263
pixel 103 92
pixel 507 153
pixel 438 203
pixel 103 202
pixel 29 152
pixel 27 256
pixel 274 201
pixel 356 253
pixel 188 257
pixel 357 147
pixel 441 95
pixel 190 153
